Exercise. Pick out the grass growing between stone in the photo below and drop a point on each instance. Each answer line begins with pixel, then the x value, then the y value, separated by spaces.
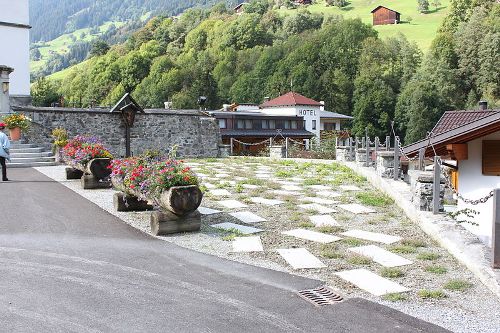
pixel 431 294
pixel 429 256
pixel 374 199
pixel 436 269
pixel 404 249
pixel 329 251
pixel 391 272
pixel 357 259
pixel 457 285
pixel 395 297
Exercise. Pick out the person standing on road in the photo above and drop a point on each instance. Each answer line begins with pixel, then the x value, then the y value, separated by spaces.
pixel 4 151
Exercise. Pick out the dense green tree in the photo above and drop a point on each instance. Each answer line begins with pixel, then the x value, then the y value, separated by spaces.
pixel 44 92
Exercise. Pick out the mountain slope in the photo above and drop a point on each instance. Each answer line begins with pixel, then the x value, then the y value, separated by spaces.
pixel 53 18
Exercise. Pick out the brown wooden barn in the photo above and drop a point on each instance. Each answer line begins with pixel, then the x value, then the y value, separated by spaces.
pixel 383 15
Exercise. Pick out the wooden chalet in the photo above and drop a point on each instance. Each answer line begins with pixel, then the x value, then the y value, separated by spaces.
pixel 383 15
pixel 239 9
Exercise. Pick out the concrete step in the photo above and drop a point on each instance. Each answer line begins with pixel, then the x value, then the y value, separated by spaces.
pixel 21 155
pixel 32 159
pixel 30 165
pixel 22 145
pixel 26 150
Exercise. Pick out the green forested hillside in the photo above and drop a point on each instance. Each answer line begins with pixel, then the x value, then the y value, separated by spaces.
pixel 231 58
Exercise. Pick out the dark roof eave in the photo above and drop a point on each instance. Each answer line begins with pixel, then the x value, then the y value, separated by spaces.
pixel 492 121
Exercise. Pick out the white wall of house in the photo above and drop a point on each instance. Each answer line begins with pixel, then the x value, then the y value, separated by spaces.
pixel 311 115
pixel 473 184
pixel 14 44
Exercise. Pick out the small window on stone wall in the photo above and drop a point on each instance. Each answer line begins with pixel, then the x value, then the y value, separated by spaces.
pixel 491 157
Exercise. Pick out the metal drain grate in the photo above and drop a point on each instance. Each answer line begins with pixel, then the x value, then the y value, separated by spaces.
pixel 320 296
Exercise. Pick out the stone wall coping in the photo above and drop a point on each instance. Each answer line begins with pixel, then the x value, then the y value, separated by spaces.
pixel 385 153
pixel 190 113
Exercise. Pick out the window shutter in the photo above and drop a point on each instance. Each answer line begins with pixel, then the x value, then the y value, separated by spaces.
pixel 491 157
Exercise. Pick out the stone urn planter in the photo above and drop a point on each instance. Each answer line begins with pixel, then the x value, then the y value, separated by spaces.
pixel 96 174
pixel 15 133
pixel 178 211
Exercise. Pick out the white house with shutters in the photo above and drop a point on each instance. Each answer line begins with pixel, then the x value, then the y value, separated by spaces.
pixel 14 47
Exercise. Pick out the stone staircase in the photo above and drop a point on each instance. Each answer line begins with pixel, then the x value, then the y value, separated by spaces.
pixel 27 155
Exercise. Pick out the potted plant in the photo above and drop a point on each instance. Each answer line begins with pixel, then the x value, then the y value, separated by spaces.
pixel 60 136
pixel 16 123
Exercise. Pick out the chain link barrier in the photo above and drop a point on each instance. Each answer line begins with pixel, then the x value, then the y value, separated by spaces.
pixel 449 184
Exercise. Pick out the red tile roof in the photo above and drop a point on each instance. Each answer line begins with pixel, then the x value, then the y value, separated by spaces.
pixel 290 98
pixel 454 119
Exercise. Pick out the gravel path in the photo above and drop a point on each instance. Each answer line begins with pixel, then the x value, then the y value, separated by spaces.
pixel 472 310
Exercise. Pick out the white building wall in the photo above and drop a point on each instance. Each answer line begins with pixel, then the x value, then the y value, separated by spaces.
pixel 14 44
pixel 474 185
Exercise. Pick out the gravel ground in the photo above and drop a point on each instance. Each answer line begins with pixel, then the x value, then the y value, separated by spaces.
pixel 474 309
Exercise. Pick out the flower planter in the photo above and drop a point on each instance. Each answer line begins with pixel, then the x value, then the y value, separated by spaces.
pixel 15 133
pixel 72 173
pixel 130 203
pixel 178 212
pixel 96 174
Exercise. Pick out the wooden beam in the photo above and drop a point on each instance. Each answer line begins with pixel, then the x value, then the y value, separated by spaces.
pixel 458 151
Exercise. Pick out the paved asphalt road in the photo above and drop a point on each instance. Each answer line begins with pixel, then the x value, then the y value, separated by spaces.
pixel 68 266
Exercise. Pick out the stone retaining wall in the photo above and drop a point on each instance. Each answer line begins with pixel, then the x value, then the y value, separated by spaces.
pixel 195 134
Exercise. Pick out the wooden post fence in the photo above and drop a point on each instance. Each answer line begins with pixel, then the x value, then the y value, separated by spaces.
pixel 421 156
pixel 231 142
pixel 495 236
pixel 387 143
pixel 367 147
pixel 436 186
pixel 286 147
pixel 396 158
pixel 377 143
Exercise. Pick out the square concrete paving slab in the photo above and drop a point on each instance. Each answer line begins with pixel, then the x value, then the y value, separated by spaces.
pixel 263 175
pixel 208 211
pixel 232 204
pixel 248 217
pixel 241 228
pixel 357 209
pixel 319 208
pixel 329 194
pixel 319 187
pixel 372 236
pixel 371 282
pixel 323 220
pixel 291 188
pixel 381 256
pixel 310 235
pixel 202 175
pixel 267 202
pixel 209 185
pixel 300 258
pixel 350 188
pixel 247 244
pixel 250 186
pixel 319 200
pixel 283 192
pixel 222 175
pixel 220 192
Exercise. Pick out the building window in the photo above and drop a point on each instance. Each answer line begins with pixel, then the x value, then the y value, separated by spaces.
pixel 240 124
pixel 272 124
pixel 314 125
pixel 491 158
pixel 287 124
pixel 248 124
pixel 265 124
pixel 222 123
pixel 294 124
pixel 329 126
